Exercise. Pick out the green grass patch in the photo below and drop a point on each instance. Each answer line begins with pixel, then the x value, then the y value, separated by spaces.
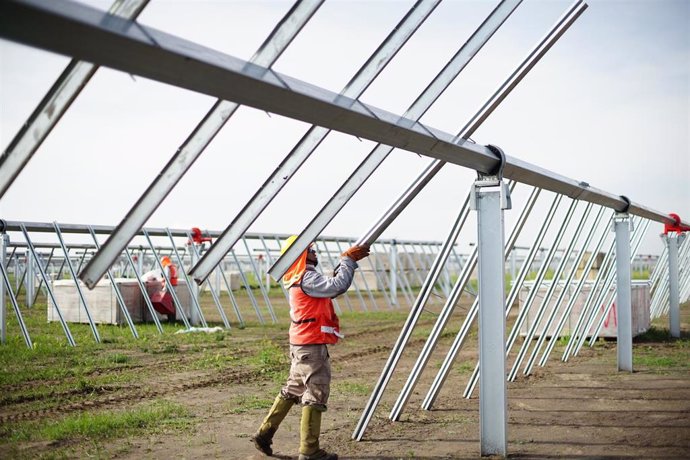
pixel 464 367
pixel 270 360
pixel 352 388
pixel 242 404
pixel 95 426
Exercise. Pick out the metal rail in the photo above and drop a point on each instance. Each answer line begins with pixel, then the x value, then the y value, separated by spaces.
pixel 163 57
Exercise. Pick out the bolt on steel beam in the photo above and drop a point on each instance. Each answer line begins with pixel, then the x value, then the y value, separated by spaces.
pixel 371 69
pixel 380 152
pixel 54 105
pixel 279 39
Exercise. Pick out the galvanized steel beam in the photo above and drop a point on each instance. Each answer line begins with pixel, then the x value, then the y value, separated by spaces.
pixel 379 153
pixel 194 145
pixel 313 138
pixel 54 105
pixel 133 48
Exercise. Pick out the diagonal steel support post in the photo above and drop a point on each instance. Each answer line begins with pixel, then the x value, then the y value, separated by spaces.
pixel 418 108
pixel 137 276
pixel 77 284
pixel 63 322
pixel 118 293
pixel 193 294
pixel 194 252
pixel 573 297
pixel 546 327
pixel 621 226
pixel 461 336
pixel 535 321
pixel 6 287
pixel 179 308
pixel 54 105
pixel 313 138
pixel 193 147
pixel 609 297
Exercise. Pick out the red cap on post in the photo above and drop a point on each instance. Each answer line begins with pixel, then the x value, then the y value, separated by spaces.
pixel 197 237
pixel 676 225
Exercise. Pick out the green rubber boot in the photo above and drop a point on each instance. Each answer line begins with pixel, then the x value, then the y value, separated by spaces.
pixel 264 437
pixel 310 428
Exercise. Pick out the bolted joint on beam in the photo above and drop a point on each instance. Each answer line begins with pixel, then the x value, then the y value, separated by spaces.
pixel 620 217
pixel 489 184
pixel 492 181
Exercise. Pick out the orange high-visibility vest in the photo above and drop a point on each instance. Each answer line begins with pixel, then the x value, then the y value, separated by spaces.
pixel 172 273
pixel 313 319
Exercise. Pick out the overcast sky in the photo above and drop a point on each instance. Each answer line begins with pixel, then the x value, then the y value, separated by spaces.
pixel 608 105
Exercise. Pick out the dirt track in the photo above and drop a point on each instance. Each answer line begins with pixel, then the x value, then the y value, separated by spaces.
pixel 583 408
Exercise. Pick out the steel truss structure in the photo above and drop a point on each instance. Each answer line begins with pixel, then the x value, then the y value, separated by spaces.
pixel 582 216
pixel 395 268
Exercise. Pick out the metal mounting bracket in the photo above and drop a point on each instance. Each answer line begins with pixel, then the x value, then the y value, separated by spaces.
pixel 492 179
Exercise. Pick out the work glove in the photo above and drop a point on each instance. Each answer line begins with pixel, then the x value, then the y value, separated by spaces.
pixel 356 253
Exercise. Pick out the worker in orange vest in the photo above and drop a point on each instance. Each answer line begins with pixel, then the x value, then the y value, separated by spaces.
pixel 161 299
pixel 314 325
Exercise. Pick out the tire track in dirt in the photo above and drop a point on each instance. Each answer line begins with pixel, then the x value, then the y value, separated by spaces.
pixel 134 394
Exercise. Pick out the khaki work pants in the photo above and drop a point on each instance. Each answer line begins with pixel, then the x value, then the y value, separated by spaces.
pixel 309 381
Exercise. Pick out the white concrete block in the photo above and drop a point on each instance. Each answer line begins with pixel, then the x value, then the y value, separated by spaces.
pixel 101 300
pixel 640 310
